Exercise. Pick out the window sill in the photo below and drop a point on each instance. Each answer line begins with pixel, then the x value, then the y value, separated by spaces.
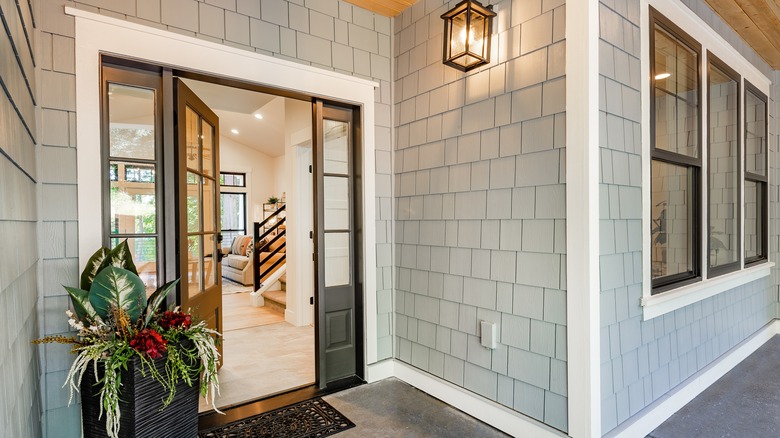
pixel 657 305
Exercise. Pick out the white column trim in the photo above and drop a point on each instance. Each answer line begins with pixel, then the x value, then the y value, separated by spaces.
pixel 582 218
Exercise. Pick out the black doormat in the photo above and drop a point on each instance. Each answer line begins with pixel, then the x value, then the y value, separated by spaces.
pixel 310 418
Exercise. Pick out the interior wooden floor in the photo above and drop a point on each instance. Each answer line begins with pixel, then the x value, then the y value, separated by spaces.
pixel 263 354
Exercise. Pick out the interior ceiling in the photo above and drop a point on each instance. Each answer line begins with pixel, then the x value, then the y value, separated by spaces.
pixel 757 22
pixel 236 108
pixel 388 8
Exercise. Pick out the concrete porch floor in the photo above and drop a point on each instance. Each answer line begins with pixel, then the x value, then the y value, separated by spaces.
pixel 745 402
pixel 392 408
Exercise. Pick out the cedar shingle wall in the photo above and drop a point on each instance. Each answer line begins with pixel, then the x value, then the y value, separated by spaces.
pixel 20 404
pixel 480 206
pixel 328 34
pixel 643 360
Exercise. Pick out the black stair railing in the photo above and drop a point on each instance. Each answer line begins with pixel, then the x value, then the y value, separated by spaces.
pixel 277 221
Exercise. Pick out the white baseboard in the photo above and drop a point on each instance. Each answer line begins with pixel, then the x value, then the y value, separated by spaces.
pixel 492 413
pixel 649 418
pixel 380 371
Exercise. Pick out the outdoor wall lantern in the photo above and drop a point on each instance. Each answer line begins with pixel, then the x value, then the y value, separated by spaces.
pixel 467 29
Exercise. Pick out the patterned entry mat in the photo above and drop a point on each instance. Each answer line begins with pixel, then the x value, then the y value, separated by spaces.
pixel 310 418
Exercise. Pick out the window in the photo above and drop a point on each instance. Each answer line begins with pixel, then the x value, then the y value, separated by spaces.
pixel 700 190
pixel 231 179
pixel 723 167
pixel 676 156
pixel 755 175
pixel 139 173
pixel 233 214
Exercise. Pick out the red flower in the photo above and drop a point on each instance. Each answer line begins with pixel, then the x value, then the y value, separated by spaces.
pixel 174 320
pixel 150 342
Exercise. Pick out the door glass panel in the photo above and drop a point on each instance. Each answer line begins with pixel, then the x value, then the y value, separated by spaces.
pixel 336 192
pixel 336 146
pixel 133 198
pixel 144 251
pixel 209 209
pixel 193 202
pixel 209 263
pixel 194 257
pixel 131 122
pixel 208 148
pixel 337 259
pixel 193 139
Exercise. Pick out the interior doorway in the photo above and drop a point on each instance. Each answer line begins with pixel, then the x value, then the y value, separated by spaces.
pixel 266 211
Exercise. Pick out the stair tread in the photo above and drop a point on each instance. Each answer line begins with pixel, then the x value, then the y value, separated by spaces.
pixel 278 296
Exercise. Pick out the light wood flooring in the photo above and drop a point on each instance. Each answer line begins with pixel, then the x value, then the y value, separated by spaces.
pixel 263 354
pixel 239 313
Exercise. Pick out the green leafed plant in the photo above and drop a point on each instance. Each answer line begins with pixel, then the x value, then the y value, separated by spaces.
pixel 115 321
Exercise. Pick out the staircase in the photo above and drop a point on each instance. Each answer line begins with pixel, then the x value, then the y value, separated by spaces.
pixel 277 299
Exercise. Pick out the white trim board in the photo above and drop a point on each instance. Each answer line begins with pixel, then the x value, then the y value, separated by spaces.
pixel 97 34
pixel 583 334
pixel 487 411
pixel 652 416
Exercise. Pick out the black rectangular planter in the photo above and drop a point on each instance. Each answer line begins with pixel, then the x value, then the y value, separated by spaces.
pixel 141 399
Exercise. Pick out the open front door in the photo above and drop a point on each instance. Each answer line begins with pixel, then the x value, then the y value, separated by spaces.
pixel 198 252
pixel 338 316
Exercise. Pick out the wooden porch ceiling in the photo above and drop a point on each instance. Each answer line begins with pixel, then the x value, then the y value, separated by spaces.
pixel 757 22
pixel 388 8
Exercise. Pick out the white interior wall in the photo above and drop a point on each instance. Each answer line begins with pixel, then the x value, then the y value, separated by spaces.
pixel 259 168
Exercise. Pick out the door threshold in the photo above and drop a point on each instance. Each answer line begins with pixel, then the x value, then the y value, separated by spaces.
pixel 211 419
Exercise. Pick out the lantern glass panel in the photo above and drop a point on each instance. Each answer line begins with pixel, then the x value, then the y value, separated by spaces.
pixel 458 36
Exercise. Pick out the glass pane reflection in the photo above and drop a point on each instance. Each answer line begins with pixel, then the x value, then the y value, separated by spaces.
pixel 144 251
pixel 131 122
pixel 133 201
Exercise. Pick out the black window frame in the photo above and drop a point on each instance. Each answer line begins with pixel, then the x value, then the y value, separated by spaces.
pixel 701 182
pixel 760 180
pixel 111 73
pixel 714 271
pixel 241 174
pixel 665 283
pixel 243 194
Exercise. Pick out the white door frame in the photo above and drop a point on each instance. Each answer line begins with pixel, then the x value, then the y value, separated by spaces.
pixel 97 34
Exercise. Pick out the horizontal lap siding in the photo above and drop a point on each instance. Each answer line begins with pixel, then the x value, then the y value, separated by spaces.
pixel 643 360
pixel 20 403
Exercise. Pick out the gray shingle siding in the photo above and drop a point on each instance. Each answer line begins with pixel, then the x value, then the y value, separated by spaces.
pixel 480 201
pixel 643 360
pixel 331 34
pixel 20 399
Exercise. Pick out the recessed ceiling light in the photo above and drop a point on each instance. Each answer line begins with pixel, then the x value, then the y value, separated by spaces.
pixel 258 116
pixel 658 77
pixel 234 131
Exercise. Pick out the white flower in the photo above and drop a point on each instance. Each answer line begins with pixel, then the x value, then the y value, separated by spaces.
pixel 69 313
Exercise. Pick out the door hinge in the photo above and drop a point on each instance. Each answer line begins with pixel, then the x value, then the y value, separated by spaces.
pixel 311 300
pixel 311 234
pixel 309 168
pixel 312 257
